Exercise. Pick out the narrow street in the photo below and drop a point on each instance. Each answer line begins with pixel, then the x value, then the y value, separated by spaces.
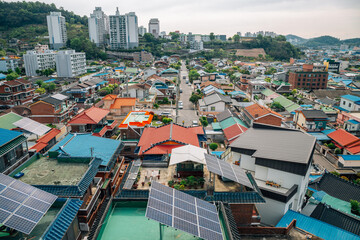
pixel 188 113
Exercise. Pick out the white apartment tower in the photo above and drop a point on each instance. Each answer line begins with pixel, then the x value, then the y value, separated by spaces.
pixel 57 30
pixel 124 31
pixel 142 30
pixel 154 27
pixel 70 63
pixel 97 26
pixel 34 60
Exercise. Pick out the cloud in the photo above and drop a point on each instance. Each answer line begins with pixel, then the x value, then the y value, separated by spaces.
pixel 306 18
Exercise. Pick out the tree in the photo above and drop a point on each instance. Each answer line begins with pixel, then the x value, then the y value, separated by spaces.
pixel 194 98
pixel 50 87
pixel 156 106
pixel 2 53
pixel 174 36
pixel 40 90
pixel 277 106
pixel 210 68
pixel 12 76
pixel 212 36
pixel 39 82
pixel 268 80
pixel 166 120
pixel 270 71
pixel 293 92
pixel 236 38
pixel 18 71
pixel 204 121
pixel 193 75
pixel 213 146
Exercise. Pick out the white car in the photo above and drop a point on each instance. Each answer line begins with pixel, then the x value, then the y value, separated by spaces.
pixel 195 123
pixel 181 105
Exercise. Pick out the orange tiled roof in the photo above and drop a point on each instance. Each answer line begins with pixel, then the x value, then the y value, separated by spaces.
pixel 109 97
pixel 42 142
pixel 205 84
pixel 344 138
pixel 119 102
pixel 257 111
pixel 92 115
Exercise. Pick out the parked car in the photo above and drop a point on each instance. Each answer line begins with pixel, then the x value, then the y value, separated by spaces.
pixel 195 123
pixel 181 105
pixel 166 114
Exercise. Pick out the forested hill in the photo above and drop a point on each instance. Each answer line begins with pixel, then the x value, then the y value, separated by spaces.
pixel 19 14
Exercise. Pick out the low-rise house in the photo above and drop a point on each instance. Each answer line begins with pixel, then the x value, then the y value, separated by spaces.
pixel 13 150
pixel 16 92
pixel 118 107
pixel 349 161
pixel 93 120
pixel 48 140
pixel 170 73
pixel 310 120
pixel 85 92
pixel 280 87
pixel 54 109
pixel 347 142
pixel 261 114
pixel 280 161
pixel 214 103
pixel 154 143
pixel 350 103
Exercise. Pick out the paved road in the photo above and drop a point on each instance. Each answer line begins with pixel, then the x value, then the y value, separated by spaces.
pixel 324 163
pixel 188 113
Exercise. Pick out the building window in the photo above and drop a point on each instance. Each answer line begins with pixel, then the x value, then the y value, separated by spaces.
pixel 349 104
pixel 7 89
pixel 212 108
pixel 344 102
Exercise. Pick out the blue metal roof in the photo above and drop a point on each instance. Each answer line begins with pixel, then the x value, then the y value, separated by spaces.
pixel 353 121
pixel 79 145
pixel 316 227
pixel 351 97
pixel 100 74
pixel 328 131
pixel 2 76
pixel 234 93
pixel 101 83
pixel 7 136
pixel 63 220
pixel 350 157
pixel 341 109
pixel 320 136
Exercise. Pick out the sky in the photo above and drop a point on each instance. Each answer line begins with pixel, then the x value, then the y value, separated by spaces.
pixel 305 18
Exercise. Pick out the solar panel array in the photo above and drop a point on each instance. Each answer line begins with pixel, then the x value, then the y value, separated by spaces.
pixel 22 205
pixel 227 170
pixel 134 170
pixel 182 211
pixel 32 126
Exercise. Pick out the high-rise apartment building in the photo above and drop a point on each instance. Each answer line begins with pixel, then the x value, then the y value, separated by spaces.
pixel 97 26
pixel 154 27
pixel 34 61
pixel 57 30
pixel 142 30
pixel 70 63
pixel 124 31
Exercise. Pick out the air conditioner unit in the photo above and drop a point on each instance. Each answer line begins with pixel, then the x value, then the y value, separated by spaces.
pixel 84 227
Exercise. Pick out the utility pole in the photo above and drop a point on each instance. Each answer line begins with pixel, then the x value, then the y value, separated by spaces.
pixel 177 96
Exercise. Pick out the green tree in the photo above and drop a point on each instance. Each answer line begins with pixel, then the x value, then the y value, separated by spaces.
pixel 175 36
pixel 39 82
pixel 213 146
pixel 2 53
pixel 18 71
pixel 166 120
pixel 194 98
pixel 277 106
pixel 212 36
pixel 193 75
pixel 12 76
pixel 204 121
pixel 40 90
pixel 210 68
pixel 236 38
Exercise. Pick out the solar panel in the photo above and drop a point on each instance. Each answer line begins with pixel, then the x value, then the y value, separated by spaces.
pixel 22 205
pixel 184 212
pixel 227 170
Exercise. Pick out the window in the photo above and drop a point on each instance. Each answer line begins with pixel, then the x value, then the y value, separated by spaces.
pixel 344 102
pixel 290 206
pixel 349 104
pixel 7 89
pixel 320 124
pixel 212 108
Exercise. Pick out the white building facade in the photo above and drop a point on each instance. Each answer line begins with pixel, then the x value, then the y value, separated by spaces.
pixel 124 31
pixel 8 64
pixel 70 63
pixel 57 30
pixel 142 30
pixel 154 27
pixel 97 26
pixel 34 61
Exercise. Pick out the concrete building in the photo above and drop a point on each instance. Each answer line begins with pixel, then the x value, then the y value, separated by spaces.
pixel 154 27
pixel 142 30
pixel 307 78
pixel 97 26
pixel 34 61
pixel 41 48
pixel 57 30
pixel 8 63
pixel 124 31
pixel 70 63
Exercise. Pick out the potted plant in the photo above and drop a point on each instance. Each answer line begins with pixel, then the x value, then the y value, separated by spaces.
pixel 355 207
pixel 171 183
pixel 149 184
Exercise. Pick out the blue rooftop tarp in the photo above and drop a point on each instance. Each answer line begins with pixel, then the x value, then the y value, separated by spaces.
pixel 101 83
pixel 328 131
pixel 316 227
pixel 319 195
pixel 2 76
pixel 50 80
pixel 217 153
pixel 353 121
pixel 7 136
pixel 235 93
pixel 79 145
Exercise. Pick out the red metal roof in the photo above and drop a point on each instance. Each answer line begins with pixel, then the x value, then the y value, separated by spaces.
pixel 48 136
pixel 39 146
pixel 92 115
pixel 346 140
pixel 171 132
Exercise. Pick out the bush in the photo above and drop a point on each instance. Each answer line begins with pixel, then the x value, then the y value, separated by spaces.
pixel 355 207
pixel 331 146
pixel 156 106
pixel 166 120
pixel 213 146
pixel 171 183
pixel 335 173
pixel 204 121
pixel 337 151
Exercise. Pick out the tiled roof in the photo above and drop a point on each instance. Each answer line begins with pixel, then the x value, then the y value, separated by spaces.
pixel 337 187
pixel 234 131
pixel 39 146
pixel 109 97
pixel 343 137
pixel 152 137
pixel 92 115
pixel 339 219
pixel 224 115
pixel 351 97
pixel 257 111
pixel 316 227
pixel 119 102
pixel 230 122
pixel 314 114
pixel 44 140
pixel 65 217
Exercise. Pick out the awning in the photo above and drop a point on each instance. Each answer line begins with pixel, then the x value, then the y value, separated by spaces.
pixel 188 153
